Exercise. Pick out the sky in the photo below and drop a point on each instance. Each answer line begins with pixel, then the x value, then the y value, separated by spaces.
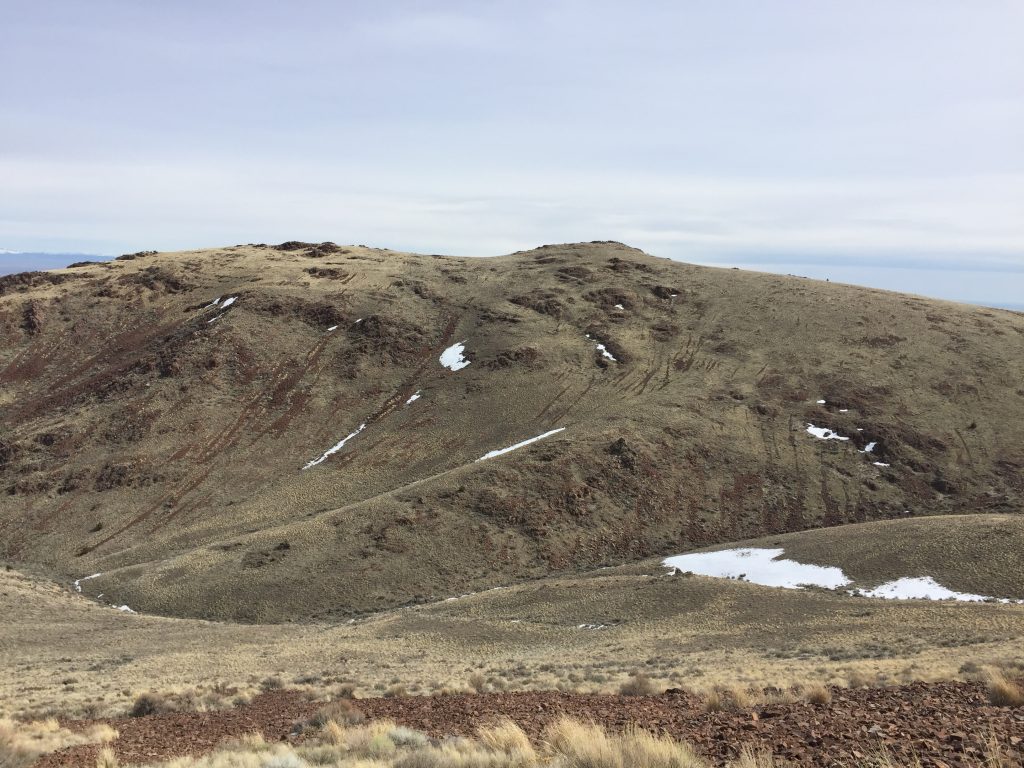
pixel 872 142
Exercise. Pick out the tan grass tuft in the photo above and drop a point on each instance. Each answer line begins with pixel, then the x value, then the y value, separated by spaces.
pixel 106 758
pixel 1003 692
pixel 818 695
pixel 342 712
pixel 751 758
pixel 22 743
pixel 581 745
pixel 714 701
pixel 641 749
pixel 507 737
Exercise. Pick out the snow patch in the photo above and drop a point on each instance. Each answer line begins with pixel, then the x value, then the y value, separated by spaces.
pixel 332 328
pixel 337 447
pixel 759 566
pixel 605 353
pixel 452 358
pixel 869 447
pixel 619 306
pixel 78 582
pixel 823 433
pixel 821 402
pixel 767 568
pixel 228 302
pixel 923 588
pixel 500 451
pixel 413 397
pixel 880 464
pixel 125 609
pixel 215 319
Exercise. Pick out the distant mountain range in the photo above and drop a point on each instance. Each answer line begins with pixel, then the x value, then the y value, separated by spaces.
pixel 18 261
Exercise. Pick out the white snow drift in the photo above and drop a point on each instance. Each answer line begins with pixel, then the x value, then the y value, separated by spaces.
pixel 335 448
pixel 78 582
pixel 824 433
pixel 759 566
pixel 452 358
pixel 500 451
pixel 766 567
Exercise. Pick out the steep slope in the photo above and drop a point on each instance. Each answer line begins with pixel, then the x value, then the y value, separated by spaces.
pixel 170 442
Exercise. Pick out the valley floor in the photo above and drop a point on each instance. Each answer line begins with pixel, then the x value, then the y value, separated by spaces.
pixel 66 655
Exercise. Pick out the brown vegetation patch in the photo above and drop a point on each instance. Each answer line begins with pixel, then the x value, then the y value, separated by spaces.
pixel 23 281
pixel 544 302
pixel 526 356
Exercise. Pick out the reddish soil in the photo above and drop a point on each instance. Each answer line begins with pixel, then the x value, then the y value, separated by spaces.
pixel 942 724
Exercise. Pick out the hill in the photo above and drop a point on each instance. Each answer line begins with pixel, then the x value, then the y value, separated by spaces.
pixel 268 433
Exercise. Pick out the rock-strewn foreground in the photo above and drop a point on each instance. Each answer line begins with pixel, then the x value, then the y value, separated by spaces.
pixel 156 433
pixel 938 723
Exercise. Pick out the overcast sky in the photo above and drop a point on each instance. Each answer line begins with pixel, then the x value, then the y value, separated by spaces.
pixel 872 142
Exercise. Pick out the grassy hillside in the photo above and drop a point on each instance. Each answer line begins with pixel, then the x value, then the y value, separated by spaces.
pixel 161 440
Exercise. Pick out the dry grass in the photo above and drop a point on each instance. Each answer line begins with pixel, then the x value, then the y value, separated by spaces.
pixel 478 682
pixel 640 748
pixel 818 695
pixel 1003 692
pixel 856 678
pixel 566 743
pixel 507 737
pixel 106 758
pixel 732 698
pixel 342 712
pixel 21 743
pixel 715 701
pixel 754 758
pixel 581 745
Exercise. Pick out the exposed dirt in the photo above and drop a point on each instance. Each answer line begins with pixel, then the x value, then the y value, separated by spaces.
pixel 942 724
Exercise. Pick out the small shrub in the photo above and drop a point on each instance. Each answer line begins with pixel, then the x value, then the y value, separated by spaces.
pixel 858 679
pixel 342 712
pixel 149 704
pixel 271 684
pixel 407 737
pixel 478 682
pixel 970 669
pixel 638 685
